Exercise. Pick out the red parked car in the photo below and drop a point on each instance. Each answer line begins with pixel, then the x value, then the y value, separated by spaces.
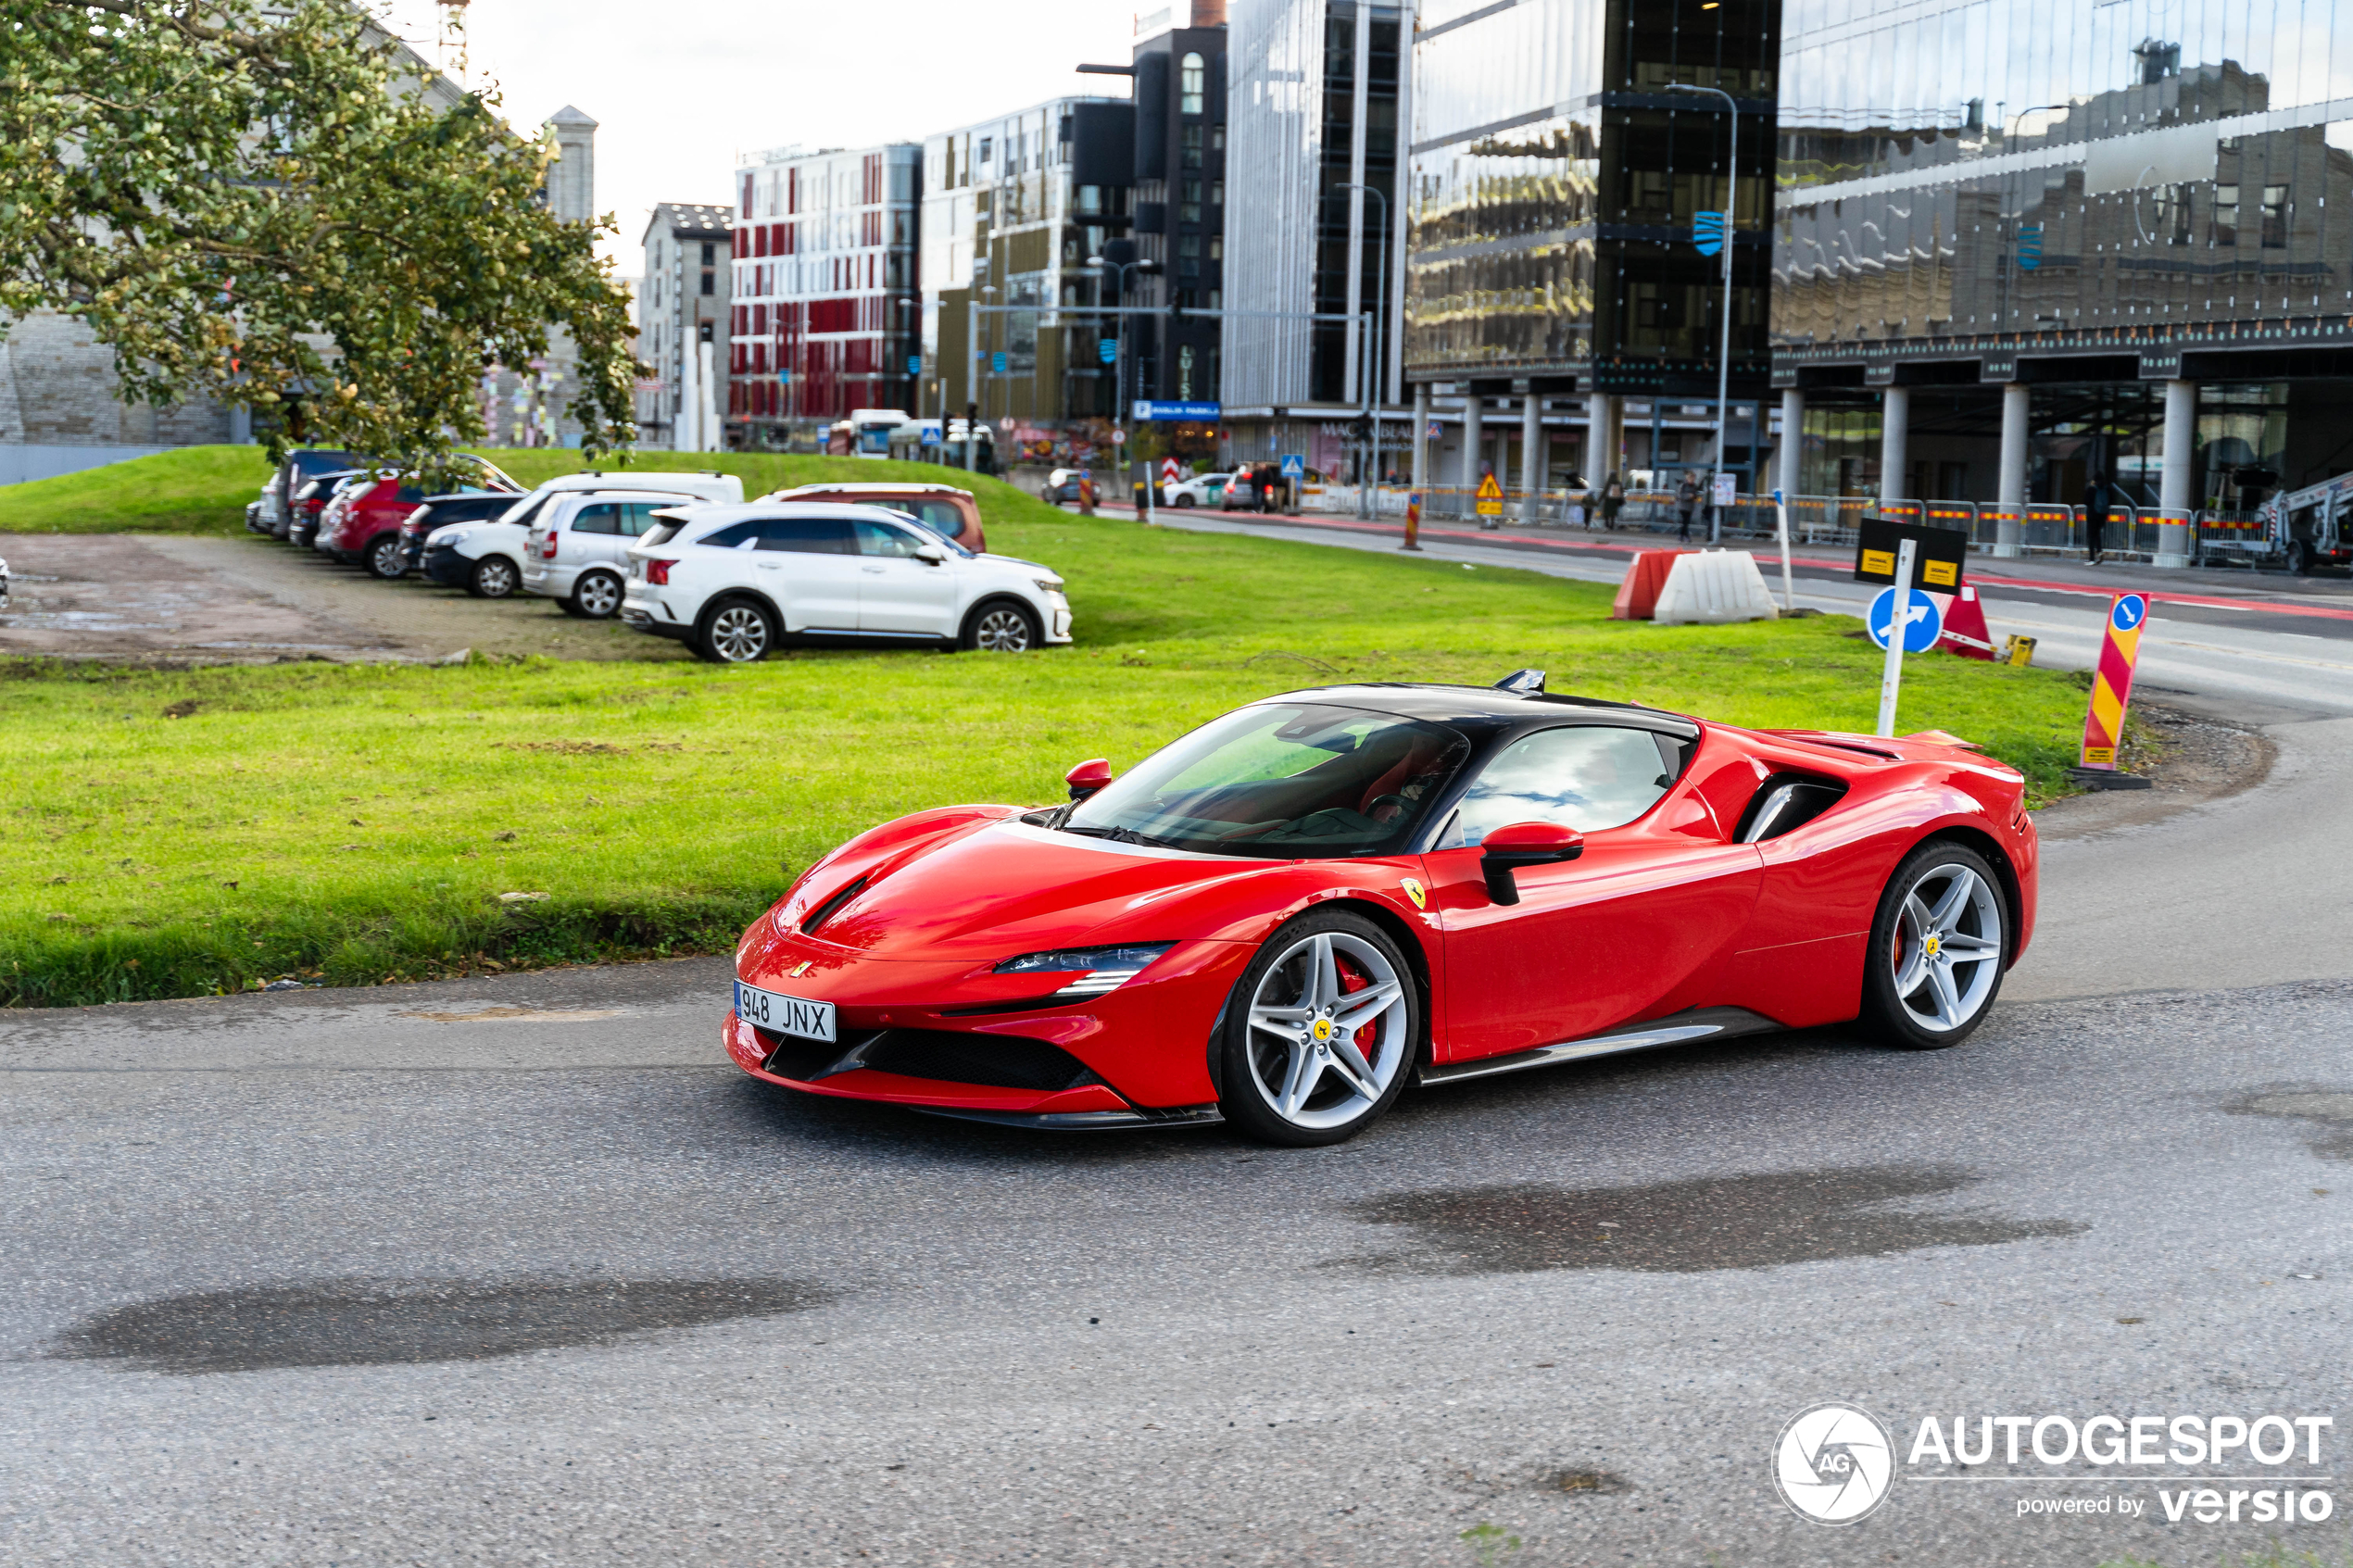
pixel 1284 918
pixel 362 525
pixel 946 511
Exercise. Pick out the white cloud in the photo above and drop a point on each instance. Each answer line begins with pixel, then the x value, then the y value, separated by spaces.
pixel 679 89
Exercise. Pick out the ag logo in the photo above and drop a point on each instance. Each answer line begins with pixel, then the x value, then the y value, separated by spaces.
pixel 1834 1464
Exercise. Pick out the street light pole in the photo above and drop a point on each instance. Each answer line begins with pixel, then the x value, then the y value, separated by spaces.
pixel 1377 367
pixel 1724 351
pixel 1096 264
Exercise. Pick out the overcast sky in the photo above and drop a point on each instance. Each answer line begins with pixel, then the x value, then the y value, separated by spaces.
pixel 679 89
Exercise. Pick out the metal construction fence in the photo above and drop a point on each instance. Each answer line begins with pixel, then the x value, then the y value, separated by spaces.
pixel 2045 528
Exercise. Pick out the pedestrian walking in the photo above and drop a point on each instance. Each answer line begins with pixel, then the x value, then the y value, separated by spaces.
pixel 1613 500
pixel 1686 499
pixel 2097 497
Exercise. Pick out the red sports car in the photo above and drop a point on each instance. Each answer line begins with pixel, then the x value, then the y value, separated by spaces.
pixel 1284 917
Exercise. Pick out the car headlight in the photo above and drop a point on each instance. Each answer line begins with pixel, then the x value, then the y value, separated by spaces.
pixel 1048 584
pixel 1098 969
pixel 449 535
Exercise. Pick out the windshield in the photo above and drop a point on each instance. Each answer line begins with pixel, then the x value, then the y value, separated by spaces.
pixel 528 508
pixel 1282 781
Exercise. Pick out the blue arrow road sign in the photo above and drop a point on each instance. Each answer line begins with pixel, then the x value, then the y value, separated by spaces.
pixel 2130 611
pixel 1922 625
pixel 1708 231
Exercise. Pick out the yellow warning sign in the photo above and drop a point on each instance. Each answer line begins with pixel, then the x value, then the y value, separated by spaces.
pixel 1491 497
pixel 1937 573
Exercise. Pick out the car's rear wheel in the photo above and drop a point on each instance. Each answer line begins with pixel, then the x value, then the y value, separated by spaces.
pixel 1001 626
pixel 2299 558
pixel 494 577
pixel 597 596
pixel 1182 502
pixel 1938 949
pixel 1321 1033
pixel 383 557
pixel 736 632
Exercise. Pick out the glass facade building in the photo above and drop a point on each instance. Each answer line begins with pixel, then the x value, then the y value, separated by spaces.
pixel 2019 244
pixel 1554 179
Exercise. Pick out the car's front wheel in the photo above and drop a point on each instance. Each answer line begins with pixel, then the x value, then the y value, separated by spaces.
pixel 1320 1035
pixel 736 632
pixel 1001 626
pixel 1938 949
pixel 1182 502
pixel 494 577
pixel 597 596
pixel 383 557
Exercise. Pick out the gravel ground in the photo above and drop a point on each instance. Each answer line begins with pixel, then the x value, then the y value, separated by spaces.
pixel 183 599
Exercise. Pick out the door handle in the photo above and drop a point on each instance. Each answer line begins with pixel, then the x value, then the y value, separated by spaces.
pixel 874 569
pixel 772 566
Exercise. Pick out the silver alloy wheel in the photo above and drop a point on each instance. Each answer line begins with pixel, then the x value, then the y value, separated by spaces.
pixel 1002 630
pixel 495 577
pixel 598 594
pixel 384 558
pixel 1948 947
pixel 1320 1055
pixel 738 634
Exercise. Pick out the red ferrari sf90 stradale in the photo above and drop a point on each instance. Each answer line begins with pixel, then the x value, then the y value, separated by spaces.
pixel 1284 917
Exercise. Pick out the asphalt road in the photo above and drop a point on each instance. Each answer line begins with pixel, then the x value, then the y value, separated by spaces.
pixel 515 1271
pixel 2257 647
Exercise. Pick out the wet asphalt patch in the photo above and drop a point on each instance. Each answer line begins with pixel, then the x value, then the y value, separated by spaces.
pixel 1745 1222
pixel 2328 1113
pixel 387 1321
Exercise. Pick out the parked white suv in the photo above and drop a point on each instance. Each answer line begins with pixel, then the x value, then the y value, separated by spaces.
pixel 734 582
pixel 487 559
pixel 577 548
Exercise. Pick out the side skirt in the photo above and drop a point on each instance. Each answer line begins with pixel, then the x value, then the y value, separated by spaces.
pixel 1083 1120
pixel 1700 1023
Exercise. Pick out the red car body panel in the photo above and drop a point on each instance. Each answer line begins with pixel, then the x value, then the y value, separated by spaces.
pixel 1663 915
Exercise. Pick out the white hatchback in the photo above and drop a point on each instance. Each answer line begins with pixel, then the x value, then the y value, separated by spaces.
pixel 577 552
pixel 735 582
pixel 487 559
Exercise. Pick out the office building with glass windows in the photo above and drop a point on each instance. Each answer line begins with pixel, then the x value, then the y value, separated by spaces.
pixel 2021 246
pixel 1312 224
pixel 1013 208
pixel 1558 169
pixel 824 318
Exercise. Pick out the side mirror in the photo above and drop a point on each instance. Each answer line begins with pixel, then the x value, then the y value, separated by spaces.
pixel 1508 849
pixel 1087 777
pixel 932 554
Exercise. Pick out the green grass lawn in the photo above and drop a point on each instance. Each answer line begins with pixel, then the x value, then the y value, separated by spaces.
pixel 205 489
pixel 174 833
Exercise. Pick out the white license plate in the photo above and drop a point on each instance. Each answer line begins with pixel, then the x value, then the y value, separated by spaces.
pixel 784 1015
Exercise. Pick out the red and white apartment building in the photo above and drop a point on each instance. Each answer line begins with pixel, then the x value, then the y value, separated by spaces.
pixel 828 308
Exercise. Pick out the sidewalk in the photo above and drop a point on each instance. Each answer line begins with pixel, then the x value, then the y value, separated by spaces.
pixel 2271 592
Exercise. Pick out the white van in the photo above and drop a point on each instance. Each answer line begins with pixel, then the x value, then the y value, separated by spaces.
pixel 487 559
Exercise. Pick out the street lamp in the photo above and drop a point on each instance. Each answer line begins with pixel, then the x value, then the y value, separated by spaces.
pixel 1724 352
pixel 1096 265
pixel 1377 367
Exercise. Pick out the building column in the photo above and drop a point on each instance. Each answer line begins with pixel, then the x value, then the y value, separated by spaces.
pixel 1474 437
pixel 2174 490
pixel 1792 454
pixel 1895 426
pixel 1421 438
pixel 1605 424
pixel 1532 456
pixel 2011 489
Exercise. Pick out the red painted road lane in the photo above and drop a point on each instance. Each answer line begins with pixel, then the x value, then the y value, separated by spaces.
pixel 1800 555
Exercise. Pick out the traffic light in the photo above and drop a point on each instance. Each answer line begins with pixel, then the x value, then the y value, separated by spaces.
pixel 1360 429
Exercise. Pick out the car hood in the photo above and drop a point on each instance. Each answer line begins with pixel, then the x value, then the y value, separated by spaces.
pixel 1010 888
pixel 990 558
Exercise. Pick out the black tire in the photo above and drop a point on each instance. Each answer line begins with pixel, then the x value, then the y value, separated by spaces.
pixel 494 577
pixel 1001 626
pixel 382 558
pixel 1331 1100
pixel 736 630
pixel 568 608
pixel 595 597
pixel 1899 956
pixel 2299 559
pixel 1182 503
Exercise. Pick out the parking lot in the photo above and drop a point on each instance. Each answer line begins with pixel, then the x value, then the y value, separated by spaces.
pixel 181 598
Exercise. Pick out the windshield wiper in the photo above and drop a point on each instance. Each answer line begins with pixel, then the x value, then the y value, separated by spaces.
pixel 1125 836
